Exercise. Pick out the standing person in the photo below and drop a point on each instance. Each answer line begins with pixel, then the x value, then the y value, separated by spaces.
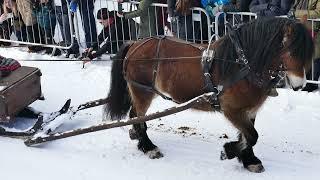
pixel 146 12
pixel 44 12
pixel 4 23
pixel 25 8
pixel 114 33
pixel 180 15
pixel 162 17
pixel 62 15
pixel 304 10
pixel 12 19
pixel 86 8
pixel 270 7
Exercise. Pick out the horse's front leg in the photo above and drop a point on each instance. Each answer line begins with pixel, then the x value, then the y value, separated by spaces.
pixel 242 149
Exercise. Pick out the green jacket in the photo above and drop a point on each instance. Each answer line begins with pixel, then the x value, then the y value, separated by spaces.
pixel 147 14
pixel 311 9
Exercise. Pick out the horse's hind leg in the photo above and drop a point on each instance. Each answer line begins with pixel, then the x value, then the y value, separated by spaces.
pixel 247 139
pixel 139 131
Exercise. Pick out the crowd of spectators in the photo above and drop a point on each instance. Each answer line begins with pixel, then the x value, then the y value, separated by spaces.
pixel 35 21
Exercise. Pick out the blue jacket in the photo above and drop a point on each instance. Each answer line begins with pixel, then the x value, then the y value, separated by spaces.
pixel 205 3
pixel 271 7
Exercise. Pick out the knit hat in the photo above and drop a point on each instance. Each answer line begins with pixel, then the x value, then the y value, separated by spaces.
pixel 103 13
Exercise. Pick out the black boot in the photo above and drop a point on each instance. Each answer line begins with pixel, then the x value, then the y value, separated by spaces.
pixel 34 36
pixel 73 50
pixel 310 87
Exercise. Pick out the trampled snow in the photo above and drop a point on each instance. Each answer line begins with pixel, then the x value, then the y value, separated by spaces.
pixel 191 141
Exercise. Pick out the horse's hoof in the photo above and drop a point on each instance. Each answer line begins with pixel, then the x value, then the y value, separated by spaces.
pixel 256 168
pixel 155 154
pixel 273 92
pixel 223 155
pixel 133 134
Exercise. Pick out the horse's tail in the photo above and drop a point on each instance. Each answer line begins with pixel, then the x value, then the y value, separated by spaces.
pixel 119 101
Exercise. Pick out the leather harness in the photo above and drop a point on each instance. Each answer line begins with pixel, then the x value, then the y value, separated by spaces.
pixel 206 62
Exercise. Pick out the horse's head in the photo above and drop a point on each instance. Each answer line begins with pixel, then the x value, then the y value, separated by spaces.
pixel 298 49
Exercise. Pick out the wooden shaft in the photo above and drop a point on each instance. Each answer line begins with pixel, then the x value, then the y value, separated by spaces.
pixel 136 120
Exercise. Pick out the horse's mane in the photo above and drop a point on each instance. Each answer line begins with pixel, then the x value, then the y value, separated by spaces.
pixel 261 41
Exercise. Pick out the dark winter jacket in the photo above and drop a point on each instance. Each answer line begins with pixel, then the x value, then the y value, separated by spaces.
pixel 45 15
pixel 244 5
pixel 115 35
pixel 172 7
pixel 271 7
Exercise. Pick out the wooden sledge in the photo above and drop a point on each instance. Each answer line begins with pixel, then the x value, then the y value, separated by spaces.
pixel 18 90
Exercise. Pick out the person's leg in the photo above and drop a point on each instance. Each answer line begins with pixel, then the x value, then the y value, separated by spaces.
pixel 86 9
pixel 63 20
pixel 64 23
pixel 192 30
pixel 181 28
pixel 316 71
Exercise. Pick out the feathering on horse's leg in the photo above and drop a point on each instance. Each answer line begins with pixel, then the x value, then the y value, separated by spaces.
pixel 141 100
pixel 247 139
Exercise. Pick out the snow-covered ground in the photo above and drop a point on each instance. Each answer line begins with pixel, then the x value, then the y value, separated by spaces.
pixel 191 141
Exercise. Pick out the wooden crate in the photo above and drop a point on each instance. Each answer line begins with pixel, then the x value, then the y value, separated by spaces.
pixel 18 90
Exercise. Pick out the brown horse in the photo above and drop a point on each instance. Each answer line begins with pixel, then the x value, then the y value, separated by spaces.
pixel 152 66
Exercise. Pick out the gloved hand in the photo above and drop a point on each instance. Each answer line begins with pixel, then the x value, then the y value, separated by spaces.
pixel 73 5
pixel 92 54
pixel 89 53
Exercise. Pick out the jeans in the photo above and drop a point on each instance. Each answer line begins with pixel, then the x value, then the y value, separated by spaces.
pixel 63 20
pixel 89 23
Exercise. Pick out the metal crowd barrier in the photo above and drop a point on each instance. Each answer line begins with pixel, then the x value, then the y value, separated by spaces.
pixel 28 23
pixel 197 26
pixel 315 29
pixel 56 27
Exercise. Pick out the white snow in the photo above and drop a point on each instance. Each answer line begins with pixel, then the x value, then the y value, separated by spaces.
pixel 191 141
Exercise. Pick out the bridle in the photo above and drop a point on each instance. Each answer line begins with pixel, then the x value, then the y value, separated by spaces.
pixel 267 79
